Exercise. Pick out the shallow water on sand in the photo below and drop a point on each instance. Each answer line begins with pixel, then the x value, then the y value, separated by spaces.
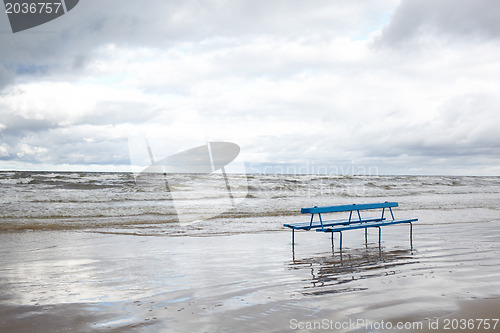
pixel 253 282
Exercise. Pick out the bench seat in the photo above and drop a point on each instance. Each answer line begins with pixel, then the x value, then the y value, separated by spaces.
pixel 331 223
pixel 369 224
pixel 373 224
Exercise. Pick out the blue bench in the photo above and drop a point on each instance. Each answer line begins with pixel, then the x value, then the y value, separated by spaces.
pixel 351 223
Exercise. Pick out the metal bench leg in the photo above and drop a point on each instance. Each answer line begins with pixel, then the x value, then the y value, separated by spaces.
pixel 366 236
pixel 411 236
pixel 293 236
pixel 341 262
pixel 340 241
pixel 379 237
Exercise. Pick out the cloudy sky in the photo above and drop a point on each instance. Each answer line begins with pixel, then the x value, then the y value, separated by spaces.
pixel 338 86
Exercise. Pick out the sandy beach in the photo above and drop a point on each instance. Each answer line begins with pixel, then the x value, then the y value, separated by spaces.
pixel 81 281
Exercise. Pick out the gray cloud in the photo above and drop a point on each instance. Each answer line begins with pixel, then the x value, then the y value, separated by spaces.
pixel 458 19
pixel 465 125
pixel 71 145
pixel 68 42
pixel 6 77
pixel 94 138
pixel 65 48
pixel 16 124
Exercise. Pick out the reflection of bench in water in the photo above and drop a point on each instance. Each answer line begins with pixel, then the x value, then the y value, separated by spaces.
pixel 350 223
pixel 341 274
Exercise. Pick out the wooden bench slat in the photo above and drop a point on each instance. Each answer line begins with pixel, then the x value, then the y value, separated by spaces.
pixel 317 224
pixel 367 225
pixel 346 208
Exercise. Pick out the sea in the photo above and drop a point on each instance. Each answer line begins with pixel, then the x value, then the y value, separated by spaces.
pixel 218 204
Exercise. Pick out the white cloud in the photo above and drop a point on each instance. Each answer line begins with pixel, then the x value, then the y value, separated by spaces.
pixel 467 20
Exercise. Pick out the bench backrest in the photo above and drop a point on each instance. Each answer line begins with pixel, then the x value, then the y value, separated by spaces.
pixel 346 208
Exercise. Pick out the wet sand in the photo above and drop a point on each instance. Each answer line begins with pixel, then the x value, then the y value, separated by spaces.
pixel 81 281
pixel 472 315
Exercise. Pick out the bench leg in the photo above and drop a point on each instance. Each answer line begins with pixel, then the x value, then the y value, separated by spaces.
pixel 366 236
pixel 411 236
pixel 293 236
pixel 340 241
pixel 379 237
